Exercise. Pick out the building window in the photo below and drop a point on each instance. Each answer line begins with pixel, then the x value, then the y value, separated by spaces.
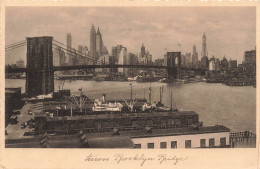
pixel 174 144
pixel 223 141
pixel 137 145
pixel 150 145
pixel 163 145
pixel 202 142
pixel 187 143
pixel 211 142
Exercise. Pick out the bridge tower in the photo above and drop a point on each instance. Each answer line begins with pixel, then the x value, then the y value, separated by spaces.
pixel 40 74
pixel 173 62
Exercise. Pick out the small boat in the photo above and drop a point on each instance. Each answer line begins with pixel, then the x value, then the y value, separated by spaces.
pixel 132 78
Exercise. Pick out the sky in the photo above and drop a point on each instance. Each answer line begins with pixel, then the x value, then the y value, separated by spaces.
pixel 230 31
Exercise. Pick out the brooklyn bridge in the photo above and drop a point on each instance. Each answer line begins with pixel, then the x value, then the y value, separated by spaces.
pixel 40 68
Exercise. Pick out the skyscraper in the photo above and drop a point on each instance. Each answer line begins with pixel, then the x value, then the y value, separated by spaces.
pixel 69 49
pixel 114 58
pixel 99 45
pixel 142 50
pixel 69 41
pixel 250 56
pixel 204 46
pixel 80 49
pixel 144 57
pixel 194 57
pixel 20 63
pixel 122 59
pixel 85 50
pixel 93 43
pixel 204 53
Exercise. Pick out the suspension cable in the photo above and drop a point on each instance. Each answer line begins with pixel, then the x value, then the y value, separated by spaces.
pixel 11 48
pixel 68 47
pixel 16 46
pixel 70 52
pixel 15 43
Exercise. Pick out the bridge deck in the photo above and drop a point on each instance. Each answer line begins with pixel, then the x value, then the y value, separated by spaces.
pixel 78 67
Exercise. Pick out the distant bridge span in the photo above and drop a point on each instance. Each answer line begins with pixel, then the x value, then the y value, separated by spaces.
pixel 78 67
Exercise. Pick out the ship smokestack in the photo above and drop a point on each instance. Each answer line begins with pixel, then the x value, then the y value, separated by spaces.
pixel 103 98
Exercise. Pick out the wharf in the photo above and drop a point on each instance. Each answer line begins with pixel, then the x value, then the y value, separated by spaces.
pixel 238 83
pixel 107 140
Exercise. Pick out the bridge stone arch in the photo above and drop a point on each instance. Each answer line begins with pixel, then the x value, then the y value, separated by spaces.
pixel 39 74
pixel 173 63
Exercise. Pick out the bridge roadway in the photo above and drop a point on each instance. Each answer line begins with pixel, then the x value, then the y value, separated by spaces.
pixel 78 67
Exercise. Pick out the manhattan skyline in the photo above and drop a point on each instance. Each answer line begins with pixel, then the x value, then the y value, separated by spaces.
pixel 230 30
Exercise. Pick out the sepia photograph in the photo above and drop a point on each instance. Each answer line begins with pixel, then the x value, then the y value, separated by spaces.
pixel 169 77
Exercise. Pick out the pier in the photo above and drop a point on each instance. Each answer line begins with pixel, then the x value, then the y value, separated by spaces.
pixel 242 139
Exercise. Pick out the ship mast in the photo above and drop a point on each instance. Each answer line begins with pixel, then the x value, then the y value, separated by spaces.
pixel 150 94
pixel 82 100
pixel 162 94
pixel 131 93
pixel 171 100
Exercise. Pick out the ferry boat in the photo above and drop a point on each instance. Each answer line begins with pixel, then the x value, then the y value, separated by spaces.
pixel 101 106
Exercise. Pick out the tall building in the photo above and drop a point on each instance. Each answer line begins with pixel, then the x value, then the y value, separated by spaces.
pixel 186 60
pixel 122 59
pixel 59 58
pixel 250 56
pixel 104 50
pixel 93 44
pixel 132 60
pixel 69 49
pixel 232 64
pixel 183 60
pixel 204 62
pixel 113 59
pixel 249 62
pixel 97 48
pixel 20 63
pixel 142 50
pixel 212 65
pixel 69 41
pixel 99 43
pixel 85 50
pixel 204 46
pixel 144 57
pixel 217 64
pixel 149 58
pixel 73 57
pixel 80 49
pixel 224 63
pixel 194 57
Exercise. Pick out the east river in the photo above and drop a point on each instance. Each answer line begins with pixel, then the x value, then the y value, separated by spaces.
pixel 234 107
